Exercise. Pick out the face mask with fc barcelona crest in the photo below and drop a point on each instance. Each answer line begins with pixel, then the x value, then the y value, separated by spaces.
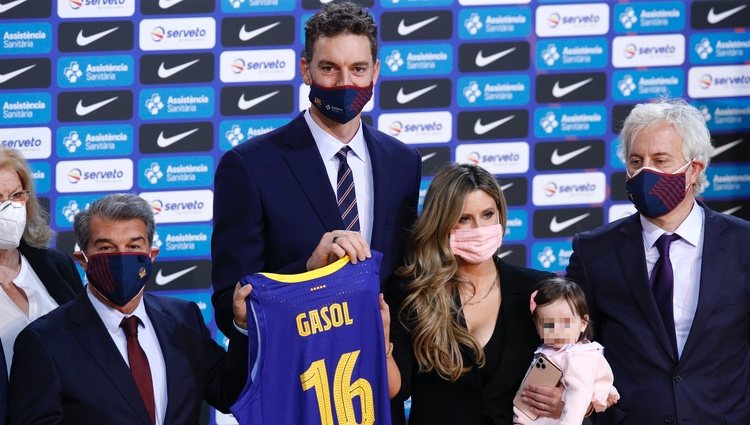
pixel 118 276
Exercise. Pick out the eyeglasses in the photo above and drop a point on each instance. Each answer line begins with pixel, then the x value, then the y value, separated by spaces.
pixel 20 197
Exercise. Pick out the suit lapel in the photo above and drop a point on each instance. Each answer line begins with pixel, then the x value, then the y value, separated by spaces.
pixel 95 339
pixel 47 272
pixel 305 164
pixel 630 253
pixel 381 185
pixel 712 272
pixel 164 325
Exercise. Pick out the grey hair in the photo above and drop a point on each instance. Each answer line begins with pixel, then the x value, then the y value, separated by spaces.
pixel 684 118
pixel 115 207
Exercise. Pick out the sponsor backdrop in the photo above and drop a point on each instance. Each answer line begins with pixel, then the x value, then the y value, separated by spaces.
pixel 146 95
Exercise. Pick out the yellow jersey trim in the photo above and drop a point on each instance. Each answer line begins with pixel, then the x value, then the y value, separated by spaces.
pixel 312 274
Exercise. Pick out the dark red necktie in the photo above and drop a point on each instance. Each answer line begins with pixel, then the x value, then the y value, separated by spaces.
pixel 662 285
pixel 345 192
pixel 139 365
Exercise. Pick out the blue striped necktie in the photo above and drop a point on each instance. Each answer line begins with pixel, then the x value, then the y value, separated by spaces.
pixel 345 193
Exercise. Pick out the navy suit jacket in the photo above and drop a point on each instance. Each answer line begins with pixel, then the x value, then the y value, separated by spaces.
pixel 710 383
pixel 56 270
pixel 3 387
pixel 67 370
pixel 273 202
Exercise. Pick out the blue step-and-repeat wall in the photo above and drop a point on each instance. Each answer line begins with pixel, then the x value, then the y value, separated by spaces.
pixel 146 95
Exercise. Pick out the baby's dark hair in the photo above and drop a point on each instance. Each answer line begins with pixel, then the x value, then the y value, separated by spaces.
pixel 559 288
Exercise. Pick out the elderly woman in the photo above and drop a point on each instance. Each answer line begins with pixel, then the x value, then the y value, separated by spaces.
pixel 464 336
pixel 35 279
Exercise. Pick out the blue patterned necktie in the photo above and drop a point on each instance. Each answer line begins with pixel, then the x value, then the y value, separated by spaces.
pixel 345 193
pixel 662 285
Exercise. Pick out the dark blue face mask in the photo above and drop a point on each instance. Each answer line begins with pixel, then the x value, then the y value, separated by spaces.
pixel 654 193
pixel 340 104
pixel 119 276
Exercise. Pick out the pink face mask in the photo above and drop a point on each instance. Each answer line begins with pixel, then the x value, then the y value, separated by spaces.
pixel 478 244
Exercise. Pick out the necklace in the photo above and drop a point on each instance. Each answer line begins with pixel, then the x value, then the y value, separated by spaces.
pixel 489 291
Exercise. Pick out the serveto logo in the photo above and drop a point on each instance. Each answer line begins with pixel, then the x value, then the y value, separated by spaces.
pixel 418 127
pixel 95 140
pixel 68 206
pixel 175 172
pixel 570 121
pixel 727 182
pixel 177 34
pixel 254 6
pixel 182 206
pixel 551 256
pixel 95 8
pixel 568 189
pixel 234 132
pixel 32 142
pixel 572 19
pixel 501 90
pixel 579 53
pixel 24 39
pixel 646 85
pixel 649 17
pixel 99 175
pixel 95 71
pixel 181 240
pixel 719 81
pixel 166 103
pixel 648 50
pixel 497 158
pixel 26 108
pixel 494 23
pixel 239 66
pixel 720 48
pixel 423 59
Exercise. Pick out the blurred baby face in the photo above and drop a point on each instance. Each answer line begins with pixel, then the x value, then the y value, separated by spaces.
pixel 558 325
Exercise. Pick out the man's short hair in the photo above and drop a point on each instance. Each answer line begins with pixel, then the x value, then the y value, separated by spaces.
pixel 340 18
pixel 115 207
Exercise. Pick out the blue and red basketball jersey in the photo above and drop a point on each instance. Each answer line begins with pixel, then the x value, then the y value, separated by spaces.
pixel 316 348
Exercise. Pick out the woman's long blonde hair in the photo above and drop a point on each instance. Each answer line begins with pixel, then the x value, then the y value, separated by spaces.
pixel 430 310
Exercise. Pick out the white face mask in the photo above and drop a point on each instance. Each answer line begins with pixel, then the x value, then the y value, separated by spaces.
pixel 12 224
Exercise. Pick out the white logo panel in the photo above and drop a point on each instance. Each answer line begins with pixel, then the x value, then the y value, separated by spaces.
pixel 95 8
pixel 497 158
pixel 32 142
pixel 239 66
pixel 648 50
pixel 568 189
pixel 181 206
pixel 102 175
pixel 572 19
pixel 418 127
pixel 177 34
pixel 719 81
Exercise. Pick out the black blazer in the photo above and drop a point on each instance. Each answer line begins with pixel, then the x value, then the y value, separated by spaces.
pixel 482 396
pixel 56 270
pixel 3 387
pixel 67 370
pixel 273 202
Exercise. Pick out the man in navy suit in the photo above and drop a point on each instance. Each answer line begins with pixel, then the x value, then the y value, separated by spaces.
pixel 275 200
pixel 81 364
pixel 680 351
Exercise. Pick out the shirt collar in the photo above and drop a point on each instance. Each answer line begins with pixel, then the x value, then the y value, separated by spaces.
pixel 328 145
pixel 112 317
pixel 690 229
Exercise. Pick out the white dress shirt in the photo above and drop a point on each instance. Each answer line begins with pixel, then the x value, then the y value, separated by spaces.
pixel 149 342
pixel 12 319
pixel 685 254
pixel 358 160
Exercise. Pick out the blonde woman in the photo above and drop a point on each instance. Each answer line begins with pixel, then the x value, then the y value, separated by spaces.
pixel 463 335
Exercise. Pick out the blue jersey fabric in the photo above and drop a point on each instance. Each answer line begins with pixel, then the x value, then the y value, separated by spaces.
pixel 316 354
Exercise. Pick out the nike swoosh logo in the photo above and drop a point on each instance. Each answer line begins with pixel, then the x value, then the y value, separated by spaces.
pixel 556 227
pixel 249 35
pixel 82 111
pixel 85 40
pixel 8 6
pixel 247 104
pixel 559 92
pixel 506 186
pixel 504 253
pixel 723 148
pixel 403 98
pixel 405 30
pixel 168 72
pixel 557 159
pixel 483 61
pixel 732 210
pixel 428 156
pixel 163 142
pixel 166 4
pixel 12 74
pixel 162 280
pixel 481 129
pixel 715 18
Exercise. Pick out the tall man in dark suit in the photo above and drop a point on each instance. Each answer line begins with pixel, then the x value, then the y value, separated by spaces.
pixel 668 286
pixel 278 198
pixel 115 355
